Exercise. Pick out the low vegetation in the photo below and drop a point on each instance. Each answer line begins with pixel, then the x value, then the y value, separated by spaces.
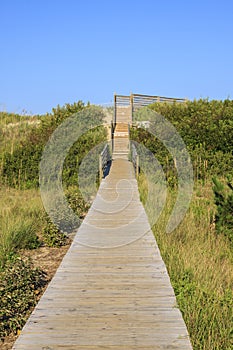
pixel 20 287
pixel 199 253
pixel 24 225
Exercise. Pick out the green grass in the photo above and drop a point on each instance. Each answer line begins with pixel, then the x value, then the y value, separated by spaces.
pixel 23 221
pixel 200 267
pixel 21 218
pixel 17 235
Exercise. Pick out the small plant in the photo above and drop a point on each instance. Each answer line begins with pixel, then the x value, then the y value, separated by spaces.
pixel 52 236
pixel 76 201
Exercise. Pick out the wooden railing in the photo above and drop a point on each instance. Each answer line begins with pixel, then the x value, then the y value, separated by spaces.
pixel 113 125
pixel 121 100
pixel 131 103
pixel 135 159
pixel 138 101
pixel 104 161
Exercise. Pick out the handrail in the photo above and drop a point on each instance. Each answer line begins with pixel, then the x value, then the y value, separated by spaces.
pixel 122 101
pixel 112 135
pixel 125 105
pixel 139 100
pixel 160 97
pixel 104 160
pixel 135 159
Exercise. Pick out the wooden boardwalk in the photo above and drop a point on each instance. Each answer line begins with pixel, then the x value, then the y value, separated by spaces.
pixel 112 290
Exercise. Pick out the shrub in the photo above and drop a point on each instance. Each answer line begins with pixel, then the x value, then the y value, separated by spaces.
pixel 20 285
pixel 20 168
pixel 206 128
pixel 52 236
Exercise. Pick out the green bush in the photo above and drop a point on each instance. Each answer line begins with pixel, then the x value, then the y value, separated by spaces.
pixel 20 285
pixel 20 167
pixel 52 236
pixel 202 122
pixel 76 202
pixel 87 142
pixel 206 128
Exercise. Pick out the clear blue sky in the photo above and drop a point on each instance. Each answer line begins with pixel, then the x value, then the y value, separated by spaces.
pixel 59 51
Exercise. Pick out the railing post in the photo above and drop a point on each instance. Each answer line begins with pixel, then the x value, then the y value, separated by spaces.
pixel 112 136
pixel 135 159
pixel 131 103
pixel 137 165
pixel 115 109
pixel 100 168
